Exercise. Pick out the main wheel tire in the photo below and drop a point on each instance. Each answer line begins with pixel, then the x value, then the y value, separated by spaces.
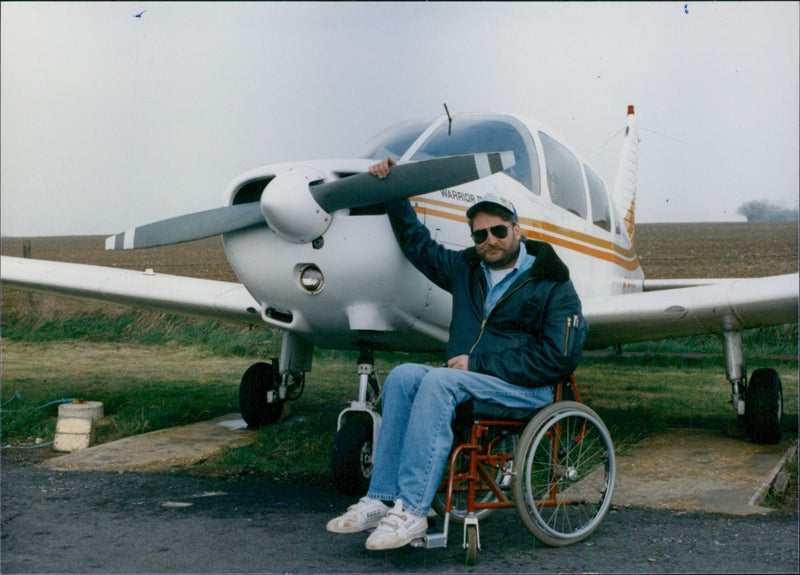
pixel 256 382
pixel 351 458
pixel 565 473
pixel 764 407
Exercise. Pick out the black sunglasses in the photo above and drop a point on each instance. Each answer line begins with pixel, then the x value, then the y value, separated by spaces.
pixel 499 231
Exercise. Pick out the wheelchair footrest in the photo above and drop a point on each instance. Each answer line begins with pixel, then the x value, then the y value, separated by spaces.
pixel 434 540
pixel 431 541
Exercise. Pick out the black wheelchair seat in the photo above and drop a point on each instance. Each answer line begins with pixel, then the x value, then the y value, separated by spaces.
pixel 474 409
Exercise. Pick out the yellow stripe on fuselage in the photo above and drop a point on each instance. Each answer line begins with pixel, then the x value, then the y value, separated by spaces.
pixel 545 231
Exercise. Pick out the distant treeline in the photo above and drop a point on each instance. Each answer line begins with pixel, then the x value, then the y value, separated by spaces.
pixel 764 211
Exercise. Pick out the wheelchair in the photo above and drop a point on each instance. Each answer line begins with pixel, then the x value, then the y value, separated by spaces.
pixel 555 465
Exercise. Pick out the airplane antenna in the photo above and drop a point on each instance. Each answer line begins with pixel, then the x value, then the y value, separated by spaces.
pixel 449 119
pixel 612 137
pixel 662 135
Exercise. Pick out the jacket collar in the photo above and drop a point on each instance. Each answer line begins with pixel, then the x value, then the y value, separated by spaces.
pixel 548 266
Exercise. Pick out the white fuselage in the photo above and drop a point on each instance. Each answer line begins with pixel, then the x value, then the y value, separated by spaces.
pixel 371 293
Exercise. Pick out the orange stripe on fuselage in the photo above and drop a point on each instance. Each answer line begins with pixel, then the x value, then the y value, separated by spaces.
pixel 550 233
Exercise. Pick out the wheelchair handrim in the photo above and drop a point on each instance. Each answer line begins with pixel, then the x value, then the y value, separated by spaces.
pixel 608 485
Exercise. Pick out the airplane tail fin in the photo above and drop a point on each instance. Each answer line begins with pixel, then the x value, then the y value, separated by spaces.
pixel 627 173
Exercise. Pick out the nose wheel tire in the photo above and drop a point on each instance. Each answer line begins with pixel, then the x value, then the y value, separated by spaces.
pixel 351 458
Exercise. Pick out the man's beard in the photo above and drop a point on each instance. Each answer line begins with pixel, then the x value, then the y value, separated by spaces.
pixel 507 258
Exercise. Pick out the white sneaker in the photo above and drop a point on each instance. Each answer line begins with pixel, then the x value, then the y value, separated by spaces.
pixel 396 529
pixel 366 514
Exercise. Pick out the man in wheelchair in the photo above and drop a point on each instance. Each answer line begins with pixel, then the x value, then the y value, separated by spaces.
pixel 516 331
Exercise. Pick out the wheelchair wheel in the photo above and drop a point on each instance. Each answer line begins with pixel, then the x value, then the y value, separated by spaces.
pixel 565 473
pixel 472 544
pixel 502 477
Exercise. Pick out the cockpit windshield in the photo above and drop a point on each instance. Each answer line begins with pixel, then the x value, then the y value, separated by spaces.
pixel 483 133
pixel 468 134
pixel 394 141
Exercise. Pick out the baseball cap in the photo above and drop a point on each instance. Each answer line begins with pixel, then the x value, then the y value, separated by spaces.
pixel 492 198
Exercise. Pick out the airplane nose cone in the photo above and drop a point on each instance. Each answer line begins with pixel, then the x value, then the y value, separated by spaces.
pixel 289 208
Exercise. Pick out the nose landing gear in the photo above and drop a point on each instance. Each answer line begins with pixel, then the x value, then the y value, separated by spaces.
pixel 354 444
pixel 265 387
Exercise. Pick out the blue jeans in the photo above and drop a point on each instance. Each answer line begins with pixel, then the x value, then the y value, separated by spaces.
pixel 416 437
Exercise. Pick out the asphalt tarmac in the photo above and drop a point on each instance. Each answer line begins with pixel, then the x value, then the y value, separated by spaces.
pixel 111 522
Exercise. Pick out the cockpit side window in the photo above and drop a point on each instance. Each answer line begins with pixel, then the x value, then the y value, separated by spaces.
pixel 472 135
pixel 394 141
pixel 601 212
pixel 564 179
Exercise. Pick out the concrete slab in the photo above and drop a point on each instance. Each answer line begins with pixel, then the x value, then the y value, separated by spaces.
pixel 699 470
pixel 160 450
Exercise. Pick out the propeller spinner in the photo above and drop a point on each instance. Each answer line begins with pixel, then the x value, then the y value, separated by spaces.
pixel 297 204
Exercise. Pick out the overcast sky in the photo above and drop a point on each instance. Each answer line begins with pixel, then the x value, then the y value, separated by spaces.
pixel 110 120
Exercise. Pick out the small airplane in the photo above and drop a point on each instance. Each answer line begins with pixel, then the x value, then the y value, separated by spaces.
pixel 317 259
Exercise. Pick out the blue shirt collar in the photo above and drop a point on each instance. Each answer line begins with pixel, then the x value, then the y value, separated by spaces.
pixel 522 265
pixel 524 262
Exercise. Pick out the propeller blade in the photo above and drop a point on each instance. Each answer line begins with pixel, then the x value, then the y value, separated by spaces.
pixel 188 227
pixel 406 180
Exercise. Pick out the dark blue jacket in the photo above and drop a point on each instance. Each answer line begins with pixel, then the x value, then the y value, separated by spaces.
pixel 534 335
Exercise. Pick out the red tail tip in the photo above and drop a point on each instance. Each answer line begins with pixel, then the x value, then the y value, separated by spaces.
pixel 630 110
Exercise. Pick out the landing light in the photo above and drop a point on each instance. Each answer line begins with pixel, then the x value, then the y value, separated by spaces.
pixel 311 278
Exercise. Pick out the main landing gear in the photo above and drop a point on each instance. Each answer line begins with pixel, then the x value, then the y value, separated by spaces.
pixel 265 387
pixel 354 444
pixel 759 401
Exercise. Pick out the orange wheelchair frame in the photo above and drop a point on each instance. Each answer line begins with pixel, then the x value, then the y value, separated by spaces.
pixel 558 471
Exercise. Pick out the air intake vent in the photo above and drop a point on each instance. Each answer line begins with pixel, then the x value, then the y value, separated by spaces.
pixel 278 315
pixel 251 191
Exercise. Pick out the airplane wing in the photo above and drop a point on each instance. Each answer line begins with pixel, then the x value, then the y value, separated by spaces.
pixel 176 294
pixel 722 305
pixel 717 306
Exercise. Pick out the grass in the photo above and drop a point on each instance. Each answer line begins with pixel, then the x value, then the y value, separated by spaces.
pixel 165 371
pixel 787 500
pixel 147 328
pixel 770 341
pixel 142 387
